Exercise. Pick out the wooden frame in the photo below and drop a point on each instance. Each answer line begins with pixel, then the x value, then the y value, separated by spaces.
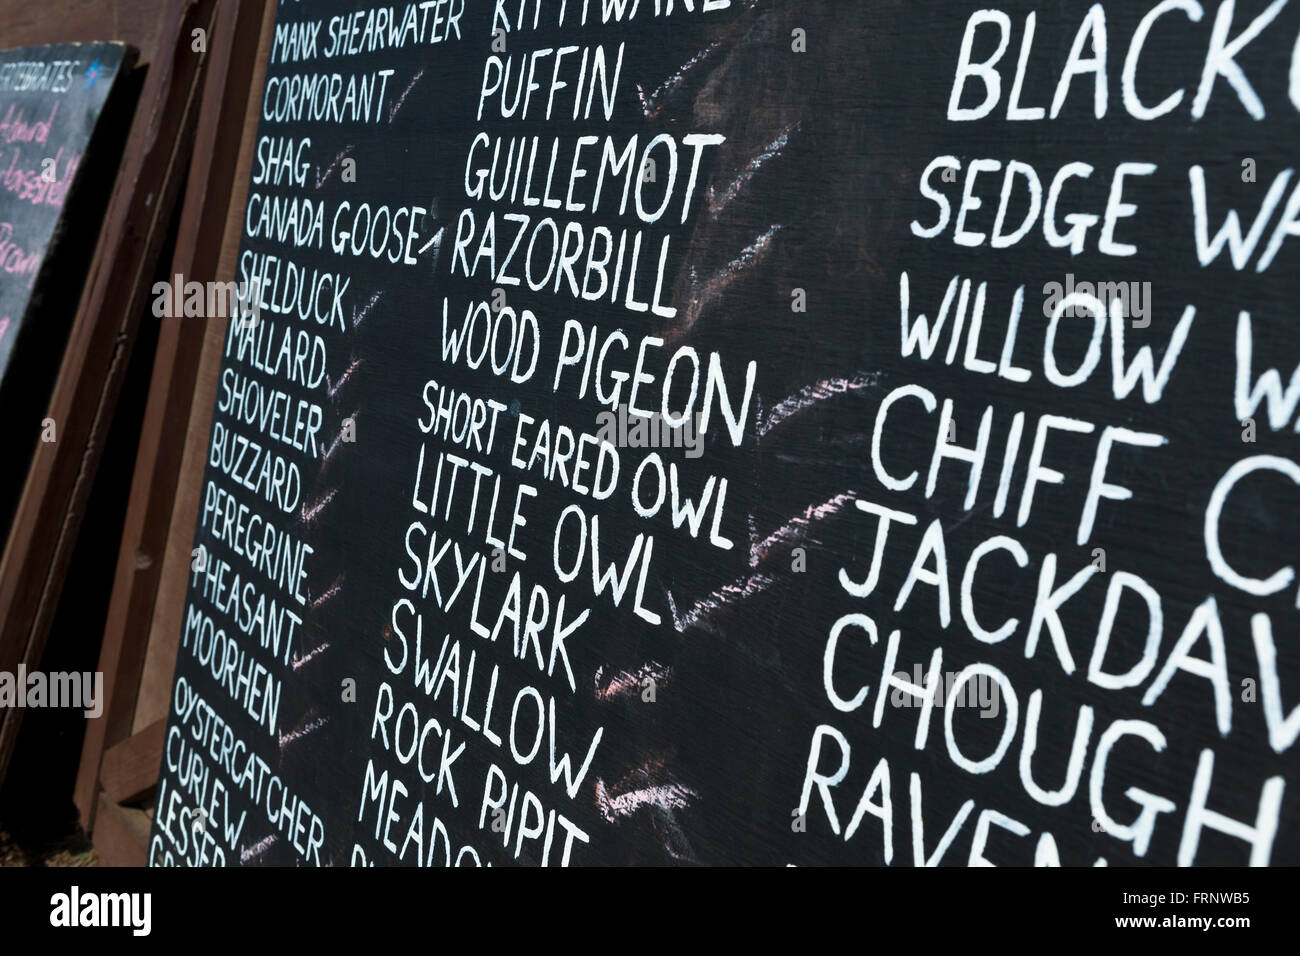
pixel 122 752
pixel 23 23
pixel 61 475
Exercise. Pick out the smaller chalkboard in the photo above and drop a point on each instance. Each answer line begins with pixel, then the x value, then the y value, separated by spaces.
pixel 62 123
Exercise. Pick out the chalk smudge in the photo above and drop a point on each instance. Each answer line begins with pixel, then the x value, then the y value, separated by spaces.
pixel 627 684
pixel 392 113
pixel 797 527
pixel 652 105
pixel 330 592
pixel 321 179
pixel 719 199
pixel 310 514
pixel 740 590
pixel 302 730
pixel 300 661
pixel 812 395
pixel 357 318
pixel 257 849
pixel 704 292
pixel 343 379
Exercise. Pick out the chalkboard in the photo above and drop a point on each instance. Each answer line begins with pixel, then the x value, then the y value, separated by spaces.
pixel 753 433
pixel 57 161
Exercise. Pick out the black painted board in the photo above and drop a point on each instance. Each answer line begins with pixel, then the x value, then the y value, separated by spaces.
pixel 1008 584
pixel 64 114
